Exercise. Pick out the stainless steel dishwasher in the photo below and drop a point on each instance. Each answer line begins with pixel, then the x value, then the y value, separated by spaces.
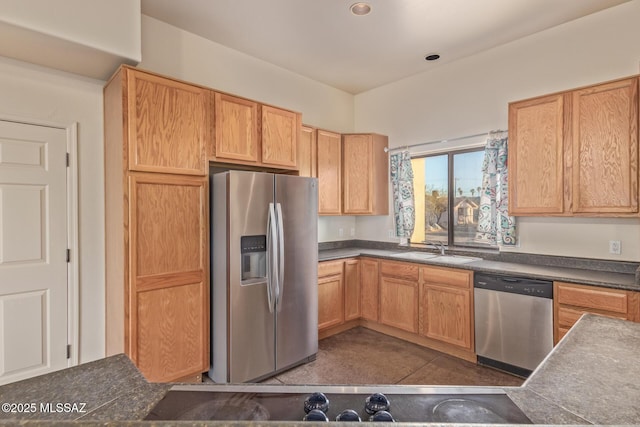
pixel 513 322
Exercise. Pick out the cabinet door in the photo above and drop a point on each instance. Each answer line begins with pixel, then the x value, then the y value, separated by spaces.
pixel 168 128
pixel 351 289
pixel 447 314
pixel 365 174
pixel 536 156
pixel 369 285
pixel 399 303
pixel 357 157
pixel 168 297
pixel 307 151
pixel 571 301
pixel 605 148
pixel 329 173
pixel 330 301
pixel 280 134
pixel 235 129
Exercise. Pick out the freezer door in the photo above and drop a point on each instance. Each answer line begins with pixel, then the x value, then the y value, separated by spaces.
pixel 297 305
pixel 251 324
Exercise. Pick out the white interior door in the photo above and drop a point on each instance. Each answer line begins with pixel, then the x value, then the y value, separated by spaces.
pixel 33 243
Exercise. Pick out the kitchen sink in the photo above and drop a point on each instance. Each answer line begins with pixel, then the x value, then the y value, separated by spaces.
pixel 445 259
pixel 415 255
pixel 454 259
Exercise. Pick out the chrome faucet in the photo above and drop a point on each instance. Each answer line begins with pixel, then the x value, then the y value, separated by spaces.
pixel 437 245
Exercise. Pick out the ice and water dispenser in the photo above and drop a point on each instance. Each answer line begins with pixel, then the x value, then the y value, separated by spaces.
pixel 254 259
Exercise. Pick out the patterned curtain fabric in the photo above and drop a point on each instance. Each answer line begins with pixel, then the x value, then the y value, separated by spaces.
pixel 495 226
pixel 403 201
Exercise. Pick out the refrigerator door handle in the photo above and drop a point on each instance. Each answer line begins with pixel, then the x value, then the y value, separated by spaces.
pixel 280 281
pixel 271 255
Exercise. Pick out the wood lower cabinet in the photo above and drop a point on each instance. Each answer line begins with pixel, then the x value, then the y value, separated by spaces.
pixel 162 301
pixel 446 306
pixel 365 174
pixel 399 295
pixel 576 152
pixel 369 289
pixel 570 301
pixel 352 289
pixel 330 294
pixel 329 161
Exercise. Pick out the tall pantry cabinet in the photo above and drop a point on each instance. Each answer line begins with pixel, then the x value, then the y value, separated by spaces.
pixel 157 245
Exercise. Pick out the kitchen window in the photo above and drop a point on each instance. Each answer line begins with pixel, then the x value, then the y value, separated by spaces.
pixel 447 190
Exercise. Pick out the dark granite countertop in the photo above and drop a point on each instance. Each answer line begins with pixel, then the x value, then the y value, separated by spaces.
pixel 591 272
pixel 591 377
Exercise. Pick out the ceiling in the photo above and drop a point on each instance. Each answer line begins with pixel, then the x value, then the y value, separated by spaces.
pixel 322 40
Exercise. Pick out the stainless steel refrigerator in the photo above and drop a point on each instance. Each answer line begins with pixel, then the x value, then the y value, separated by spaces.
pixel 264 235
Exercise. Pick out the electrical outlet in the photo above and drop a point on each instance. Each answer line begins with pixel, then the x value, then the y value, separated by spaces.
pixel 614 247
pixel 341 232
pixel 352 232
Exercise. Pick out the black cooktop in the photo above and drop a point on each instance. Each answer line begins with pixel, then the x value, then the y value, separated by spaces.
pixel 275 405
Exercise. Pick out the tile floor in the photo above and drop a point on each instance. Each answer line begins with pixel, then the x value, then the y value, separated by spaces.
pixel 363 356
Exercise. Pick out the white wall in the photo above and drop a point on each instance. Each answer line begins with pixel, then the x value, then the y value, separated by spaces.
pixel 470 96
pixel 171 51
pixel 36 93
pixel 108 25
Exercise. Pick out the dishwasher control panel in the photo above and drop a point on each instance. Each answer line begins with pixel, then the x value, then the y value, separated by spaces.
pixel 515 285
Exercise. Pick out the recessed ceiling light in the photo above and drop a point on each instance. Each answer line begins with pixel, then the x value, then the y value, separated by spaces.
pixel 432 57
pixel 360 9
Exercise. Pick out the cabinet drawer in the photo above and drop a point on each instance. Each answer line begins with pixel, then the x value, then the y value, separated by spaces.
pixel 329 268
pixel 399 269
pixel 592 297
pixel 447 276
pixel 567 317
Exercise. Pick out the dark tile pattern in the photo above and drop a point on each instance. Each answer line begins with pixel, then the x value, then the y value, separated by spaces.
pixel 362 356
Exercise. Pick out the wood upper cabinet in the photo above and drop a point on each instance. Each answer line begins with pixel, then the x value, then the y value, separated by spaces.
pixel 399 295
pixel 167 128
pixel 329 172
pixel 446 306
pixel 330 294
pixel 369 289
pixel 536 156
pixel 235 129
pixel 576 153
pixel 352 289
pixel 280 135
pixel 307 152
pixel 365 174
pixel 570 301
pixel 605 148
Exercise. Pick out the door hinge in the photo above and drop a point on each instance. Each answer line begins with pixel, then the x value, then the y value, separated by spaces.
pixel 68 255
pixel 68 159
pixel 68 351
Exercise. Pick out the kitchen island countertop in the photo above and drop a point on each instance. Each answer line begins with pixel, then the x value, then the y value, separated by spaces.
pixel 596 277
pixel 591 377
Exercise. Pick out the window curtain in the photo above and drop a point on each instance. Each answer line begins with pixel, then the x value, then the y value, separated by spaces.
pixel 495 226
pixel 403 200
